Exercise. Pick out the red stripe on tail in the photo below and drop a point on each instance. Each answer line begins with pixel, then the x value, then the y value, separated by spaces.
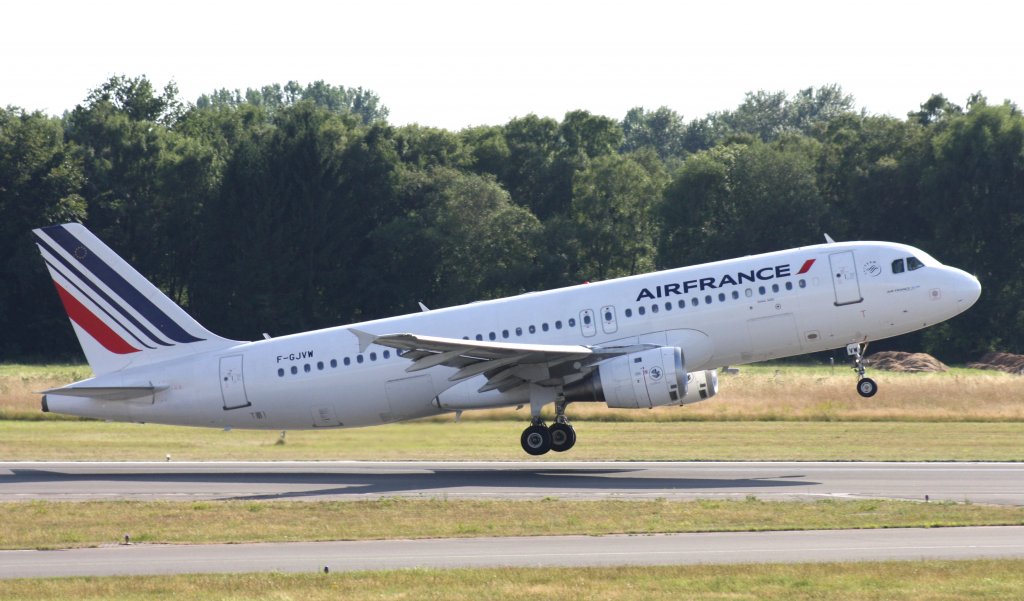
pixel 88 321
pixel 806 267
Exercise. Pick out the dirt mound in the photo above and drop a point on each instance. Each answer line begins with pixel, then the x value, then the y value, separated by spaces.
pixel 1007 362
pixel 898 361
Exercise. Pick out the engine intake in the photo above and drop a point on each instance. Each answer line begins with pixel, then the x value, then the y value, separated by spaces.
pixel 651 378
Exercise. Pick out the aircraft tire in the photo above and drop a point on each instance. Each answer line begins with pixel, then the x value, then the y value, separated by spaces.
pixel 536 440
pixel 866 387
pixel 563 437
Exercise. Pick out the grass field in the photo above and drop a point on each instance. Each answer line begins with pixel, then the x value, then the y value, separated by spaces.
pixel 995 580
pixel 499 440
pixel 758 392
pixel 56 525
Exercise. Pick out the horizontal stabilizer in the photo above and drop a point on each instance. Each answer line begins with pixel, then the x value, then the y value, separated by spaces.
pixel 106 393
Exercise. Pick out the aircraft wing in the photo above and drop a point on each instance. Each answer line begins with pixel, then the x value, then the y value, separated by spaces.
pixel 506 365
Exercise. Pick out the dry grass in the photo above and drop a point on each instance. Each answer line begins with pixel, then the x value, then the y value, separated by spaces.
pixel 815 393
pixel 982 580
pixel 55 525
pixel 758 392
pixel 20 385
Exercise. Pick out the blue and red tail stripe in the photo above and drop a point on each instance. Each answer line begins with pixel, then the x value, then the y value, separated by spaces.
pixel 94 271
pixel 88 321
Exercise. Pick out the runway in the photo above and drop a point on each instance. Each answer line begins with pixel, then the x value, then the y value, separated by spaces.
pixel 555 551
pixel 997 483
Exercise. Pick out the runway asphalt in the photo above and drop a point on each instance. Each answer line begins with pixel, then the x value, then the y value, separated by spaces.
pixel 555 551
pixel 999 483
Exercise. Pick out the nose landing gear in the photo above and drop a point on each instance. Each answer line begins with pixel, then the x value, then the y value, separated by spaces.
pixel 866 387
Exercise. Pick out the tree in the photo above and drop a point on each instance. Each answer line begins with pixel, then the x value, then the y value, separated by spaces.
pixel 662 130
pixel 738 200
pixel 40 184
pixel 613 228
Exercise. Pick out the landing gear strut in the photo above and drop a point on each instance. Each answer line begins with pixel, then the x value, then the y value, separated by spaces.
pixel 866 387
pixel 538 438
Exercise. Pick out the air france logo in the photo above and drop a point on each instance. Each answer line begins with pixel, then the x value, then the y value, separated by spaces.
pixel 655 373
pixel 872 269
pixel 729 279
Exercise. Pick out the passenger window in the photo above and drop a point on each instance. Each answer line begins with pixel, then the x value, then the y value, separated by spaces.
pixel 504 333
pixel 306 368
pixel 897 266
pixel 775 287
pixel 641 310
pixel 913 264
pixel 373 356
pixel 280 372
pixel 789 285
pixel 387 354
pixel 359 358
pixel 607 315
pixel 629 313
pixel 295 370
pixel 682 304
pixel 721 297
pixel 654 308
pixel 735 294
pixel 544 326
pixel 320 365
pixel 479 337
pixel 558 324
pixel 761 290
pixel 707 299
pixel 519 331
pixel 533 329
pixel 348 361
pixel 803 283
pixel 586 319
pixel 572 322
pixel 749 292
pixel 492 336
pixel 694 302
pixel 334 363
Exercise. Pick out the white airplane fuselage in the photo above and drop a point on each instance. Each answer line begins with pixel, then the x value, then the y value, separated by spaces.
pixel 730 312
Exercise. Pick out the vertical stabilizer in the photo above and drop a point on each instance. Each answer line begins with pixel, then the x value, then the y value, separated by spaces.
pixel 120 318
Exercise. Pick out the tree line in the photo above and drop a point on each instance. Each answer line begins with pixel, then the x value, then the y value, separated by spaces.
pixel 297 207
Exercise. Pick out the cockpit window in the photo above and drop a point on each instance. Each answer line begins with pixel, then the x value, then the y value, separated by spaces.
pixel 897 266
pixel 913 263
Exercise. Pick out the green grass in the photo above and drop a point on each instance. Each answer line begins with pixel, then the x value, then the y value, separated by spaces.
pixel 55 525
pixel 996 580
pixel 499 440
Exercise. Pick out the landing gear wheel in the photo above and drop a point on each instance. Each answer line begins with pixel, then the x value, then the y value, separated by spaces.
pixel 866 387
pixel 536 439
pixel 563 437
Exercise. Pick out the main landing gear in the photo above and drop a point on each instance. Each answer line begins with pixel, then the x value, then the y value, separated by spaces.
pixel 866 387
pixel 539 438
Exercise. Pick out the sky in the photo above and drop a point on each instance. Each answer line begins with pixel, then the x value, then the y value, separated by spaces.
pixel 453 64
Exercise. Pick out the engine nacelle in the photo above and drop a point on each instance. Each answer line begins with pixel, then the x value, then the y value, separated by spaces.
pixel 649 378
pixel 700 386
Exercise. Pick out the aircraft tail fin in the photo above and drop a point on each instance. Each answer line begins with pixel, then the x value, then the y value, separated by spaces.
pixel 120 318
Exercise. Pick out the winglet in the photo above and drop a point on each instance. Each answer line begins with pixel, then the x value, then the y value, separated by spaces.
pixel 365 339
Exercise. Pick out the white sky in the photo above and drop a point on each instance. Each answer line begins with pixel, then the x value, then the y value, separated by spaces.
pixel 449 63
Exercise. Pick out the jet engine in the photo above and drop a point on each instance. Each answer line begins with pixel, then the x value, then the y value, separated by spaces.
pixel 644 379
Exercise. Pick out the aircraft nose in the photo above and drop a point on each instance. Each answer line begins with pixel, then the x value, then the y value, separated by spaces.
pixel 968 289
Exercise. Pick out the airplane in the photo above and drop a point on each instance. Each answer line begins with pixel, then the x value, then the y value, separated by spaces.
pixel 635 342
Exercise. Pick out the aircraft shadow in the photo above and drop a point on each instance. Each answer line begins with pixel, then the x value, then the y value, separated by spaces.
pixel 429 482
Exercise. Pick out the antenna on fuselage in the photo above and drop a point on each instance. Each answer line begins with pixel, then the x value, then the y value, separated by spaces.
pixel 423 307
pixel 829 240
